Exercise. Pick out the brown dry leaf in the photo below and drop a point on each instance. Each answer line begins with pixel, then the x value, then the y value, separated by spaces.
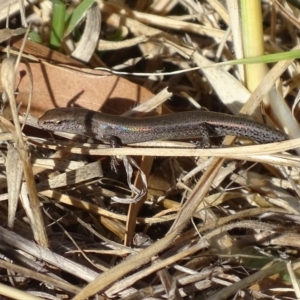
pixel 60 86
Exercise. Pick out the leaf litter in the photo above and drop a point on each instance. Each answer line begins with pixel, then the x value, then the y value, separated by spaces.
pixel 213 223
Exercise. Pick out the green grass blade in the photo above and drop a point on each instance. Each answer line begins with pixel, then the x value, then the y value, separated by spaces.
pixel 77 15
pixel 58 23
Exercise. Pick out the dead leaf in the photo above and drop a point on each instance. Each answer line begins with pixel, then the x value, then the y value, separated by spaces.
pixel 60 87
pixel 73 84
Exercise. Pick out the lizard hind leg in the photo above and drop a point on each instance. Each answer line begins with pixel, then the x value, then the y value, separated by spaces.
pixel 204 130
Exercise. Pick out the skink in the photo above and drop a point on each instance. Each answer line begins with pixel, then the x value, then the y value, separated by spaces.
pixel 183 125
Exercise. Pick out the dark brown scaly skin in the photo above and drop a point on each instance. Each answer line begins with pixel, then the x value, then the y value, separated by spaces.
pixel 183 125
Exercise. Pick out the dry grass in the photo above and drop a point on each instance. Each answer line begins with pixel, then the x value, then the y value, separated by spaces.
pixel 218 223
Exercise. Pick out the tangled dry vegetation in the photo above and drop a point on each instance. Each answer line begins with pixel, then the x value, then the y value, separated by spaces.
pixel 171 222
